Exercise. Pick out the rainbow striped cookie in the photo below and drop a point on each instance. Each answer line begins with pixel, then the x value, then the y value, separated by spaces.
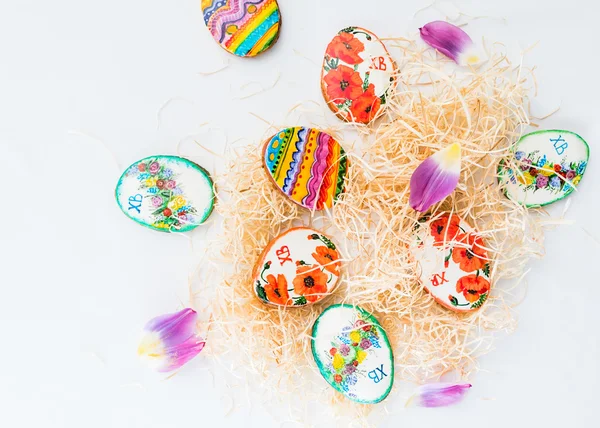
pixel 243 27
pixel 307 165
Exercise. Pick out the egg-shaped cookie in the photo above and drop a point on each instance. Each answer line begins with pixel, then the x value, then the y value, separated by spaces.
pixel 353 353
pixel 166 193
pixel 297 268
pixel 357 75
pixel 453 262
pixel 244 28
pixel 545 167
pixel 307 165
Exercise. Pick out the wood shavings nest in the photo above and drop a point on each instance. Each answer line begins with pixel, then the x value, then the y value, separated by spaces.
pixel 267 349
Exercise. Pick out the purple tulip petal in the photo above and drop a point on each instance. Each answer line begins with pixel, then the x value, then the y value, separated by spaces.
pixel 449 40
pixel 440 394
pixel 171 340
pixel 182 353
pixel 435 178
pixel 174 328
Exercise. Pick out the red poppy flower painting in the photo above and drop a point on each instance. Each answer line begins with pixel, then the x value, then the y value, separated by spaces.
pixel 470 253
pixel 445 229
pixel 473 287
pixel 343 84
pixel 346 48
pixel 365 108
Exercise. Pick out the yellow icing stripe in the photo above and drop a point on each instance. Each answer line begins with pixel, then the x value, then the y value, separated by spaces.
pixel 287 159
pixel 240 36
pixel 260 45
pixel 285 140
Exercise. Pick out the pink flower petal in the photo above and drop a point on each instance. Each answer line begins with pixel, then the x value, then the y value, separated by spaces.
pixel 450 41
pixel 174 328
pixel 182 353
pixel 171 340
pixel 435 178
pixel 440 394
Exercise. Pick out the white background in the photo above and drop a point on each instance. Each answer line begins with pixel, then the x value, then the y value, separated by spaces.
pixel 79 280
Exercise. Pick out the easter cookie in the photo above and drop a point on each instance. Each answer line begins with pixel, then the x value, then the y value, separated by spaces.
pixel 353 353
pixel 243 27
pixel 546 167
pixel 452 262
pixel 307 165
pixel 299 267
pixel 357 75
pixel 166 193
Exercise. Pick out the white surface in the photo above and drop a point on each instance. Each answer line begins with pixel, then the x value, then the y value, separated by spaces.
pixel 79 279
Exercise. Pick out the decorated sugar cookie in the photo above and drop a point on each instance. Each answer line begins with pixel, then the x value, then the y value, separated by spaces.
pixel 166 193
pixel 307 165
pixel 243 27
pixel 353 353
pixel 452 263
pixel 299 267
pixel 357 76
pixel 547 166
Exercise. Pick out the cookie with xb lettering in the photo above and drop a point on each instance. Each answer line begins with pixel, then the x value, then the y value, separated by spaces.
pixel 545 167
pixel 166 193
pixel 297 268
pixel 452 262
pixel 353 353
pixel 358 75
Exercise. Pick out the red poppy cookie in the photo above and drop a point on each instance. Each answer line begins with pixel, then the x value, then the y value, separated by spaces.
pixel 452 262
pixel 357 76
pixel 299 267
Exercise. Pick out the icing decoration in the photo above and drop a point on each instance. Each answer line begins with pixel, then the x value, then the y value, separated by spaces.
pixel 435 178
pixel 357 76
pixel 546 167
pixel 451 41
pixel 170 341
pixel 353 353
pixel 243 27
pixel 439 394
pixel 307 165
pixel 166 193
pixel 299 267
pixel 452 262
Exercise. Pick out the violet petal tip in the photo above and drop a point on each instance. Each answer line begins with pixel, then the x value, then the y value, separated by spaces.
pixel 451 41
pixel 170 341
pixel 435 178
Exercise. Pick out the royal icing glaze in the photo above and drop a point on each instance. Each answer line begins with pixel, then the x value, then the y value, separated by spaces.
pixel 452 262
pixel 166 193
pixel 307 165
pixel 243 27
pixel 545 168
pixel 299 267
pixel 353 353
pixel 357 75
